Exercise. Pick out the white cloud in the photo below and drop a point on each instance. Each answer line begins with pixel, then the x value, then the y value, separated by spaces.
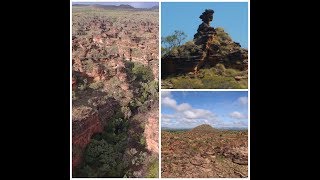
pixel 243 100
pixel 166 120
pixel 183 107
pixel 199 114
pixel 237 115
pixel 189 115
pixel 184 113
pixel 169 102
pixel 168 116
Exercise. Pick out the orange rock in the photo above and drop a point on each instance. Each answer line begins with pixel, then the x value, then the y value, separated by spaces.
pixel 151 133
pixel 85 123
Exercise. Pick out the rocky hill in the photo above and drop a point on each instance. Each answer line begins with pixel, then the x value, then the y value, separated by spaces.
pixel 203 128
pixel 211 48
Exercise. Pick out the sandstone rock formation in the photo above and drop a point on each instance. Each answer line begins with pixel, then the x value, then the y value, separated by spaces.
pixel 204 36
pixel 209 47
pixel 151 132
pixel 205 32
pixel 87 121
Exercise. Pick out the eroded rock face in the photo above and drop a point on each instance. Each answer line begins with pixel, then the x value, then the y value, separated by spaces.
pixel 151 133
pixel 87 121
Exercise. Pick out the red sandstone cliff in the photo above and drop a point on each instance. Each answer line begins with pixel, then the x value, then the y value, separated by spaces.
pixel 87 121
pixel 151 132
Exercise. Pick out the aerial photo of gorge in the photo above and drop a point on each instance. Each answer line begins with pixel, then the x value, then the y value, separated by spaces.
pixel 115 89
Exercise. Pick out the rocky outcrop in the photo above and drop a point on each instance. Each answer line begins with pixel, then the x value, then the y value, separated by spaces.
pixel 205 32
pixel 87 121
pixel 209 47
pixel 239 155
pixel 151 133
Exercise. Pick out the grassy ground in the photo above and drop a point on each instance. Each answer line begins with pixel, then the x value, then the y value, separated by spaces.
pixel 212 78
pixel 115 13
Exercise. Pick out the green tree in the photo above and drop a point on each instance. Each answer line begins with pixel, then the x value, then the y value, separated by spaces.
pixel 142 73
pixel 104 158
pixel 180 36
pixel 173 40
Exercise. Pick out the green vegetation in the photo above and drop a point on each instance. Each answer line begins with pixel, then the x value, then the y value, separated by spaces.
pixel 113 15
pixel 120 150
pixel 141 73
pixel 213 78
pixel 96 85
pixel 186 50
pixel 107 153
pixel 88 64
pixel 222 44
pixel 143 141
pixel 225 70
pixel 74 95
pixel 173 41
pixel 146 88
pixel 153 170
pixel 103 157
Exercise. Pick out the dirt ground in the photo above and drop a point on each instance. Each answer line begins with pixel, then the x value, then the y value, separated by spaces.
pixel 196 154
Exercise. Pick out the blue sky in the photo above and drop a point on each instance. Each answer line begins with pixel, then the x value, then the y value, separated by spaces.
pixel 220 109
pixel 231 16
pixel 134 4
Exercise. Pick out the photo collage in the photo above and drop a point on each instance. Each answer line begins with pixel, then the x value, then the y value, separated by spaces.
pixel 160 89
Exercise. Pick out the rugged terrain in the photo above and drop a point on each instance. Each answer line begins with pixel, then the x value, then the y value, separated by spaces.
pixel 211 60
pixel 114 91
pixel 204 152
